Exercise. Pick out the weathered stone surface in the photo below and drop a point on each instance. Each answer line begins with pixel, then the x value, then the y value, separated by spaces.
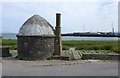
pixel 101 56
pixel 76 54
pixel 36 26
pixel 35 39
pixel 4 52
pixel 58 44
pixel 35 48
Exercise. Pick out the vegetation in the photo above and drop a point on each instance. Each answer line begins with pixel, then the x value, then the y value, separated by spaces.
pixel 93 45
pixel 71 57
pixel 79 44
pixel 65 47
pixel 12 44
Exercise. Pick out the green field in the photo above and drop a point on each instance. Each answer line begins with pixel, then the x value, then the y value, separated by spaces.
pixel 93 45
pixel 79 44
pixel 12 44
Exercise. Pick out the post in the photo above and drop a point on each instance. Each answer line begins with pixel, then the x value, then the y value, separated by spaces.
pixel 58 45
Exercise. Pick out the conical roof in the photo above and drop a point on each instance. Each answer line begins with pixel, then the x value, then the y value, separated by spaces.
pixel 36 26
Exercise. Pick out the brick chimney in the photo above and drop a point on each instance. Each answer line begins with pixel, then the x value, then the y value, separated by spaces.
pixel 58 44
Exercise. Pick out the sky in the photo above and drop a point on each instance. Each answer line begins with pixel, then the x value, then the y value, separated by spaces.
pixel 77 16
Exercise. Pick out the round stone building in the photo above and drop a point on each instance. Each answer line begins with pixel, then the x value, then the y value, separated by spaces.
pixel 35 39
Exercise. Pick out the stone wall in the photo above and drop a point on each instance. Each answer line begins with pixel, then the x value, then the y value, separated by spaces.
pixel 35 47
pixel 101 56
pixel 4 52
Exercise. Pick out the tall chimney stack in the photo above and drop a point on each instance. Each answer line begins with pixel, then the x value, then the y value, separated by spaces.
pixel 58 45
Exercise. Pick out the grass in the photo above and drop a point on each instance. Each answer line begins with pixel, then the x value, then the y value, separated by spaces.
pixel 79 44
pixel 12 44
pixel 9 42
pixel 65 47
pixel 93 45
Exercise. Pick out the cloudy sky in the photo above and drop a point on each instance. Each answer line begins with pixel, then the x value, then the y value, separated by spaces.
pixel 82 16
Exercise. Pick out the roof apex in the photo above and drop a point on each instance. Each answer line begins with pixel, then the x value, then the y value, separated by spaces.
pixel 36 26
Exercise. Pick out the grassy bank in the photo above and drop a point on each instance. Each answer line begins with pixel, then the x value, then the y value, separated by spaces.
pixel 80 45
pixel 12 44
pixel 92 45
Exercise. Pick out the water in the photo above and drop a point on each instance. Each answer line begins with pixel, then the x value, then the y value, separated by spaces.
pixel 9 36
pixel 13 36
pixel 89 38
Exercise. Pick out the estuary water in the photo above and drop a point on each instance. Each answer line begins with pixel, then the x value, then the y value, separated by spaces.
pixel 13 36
